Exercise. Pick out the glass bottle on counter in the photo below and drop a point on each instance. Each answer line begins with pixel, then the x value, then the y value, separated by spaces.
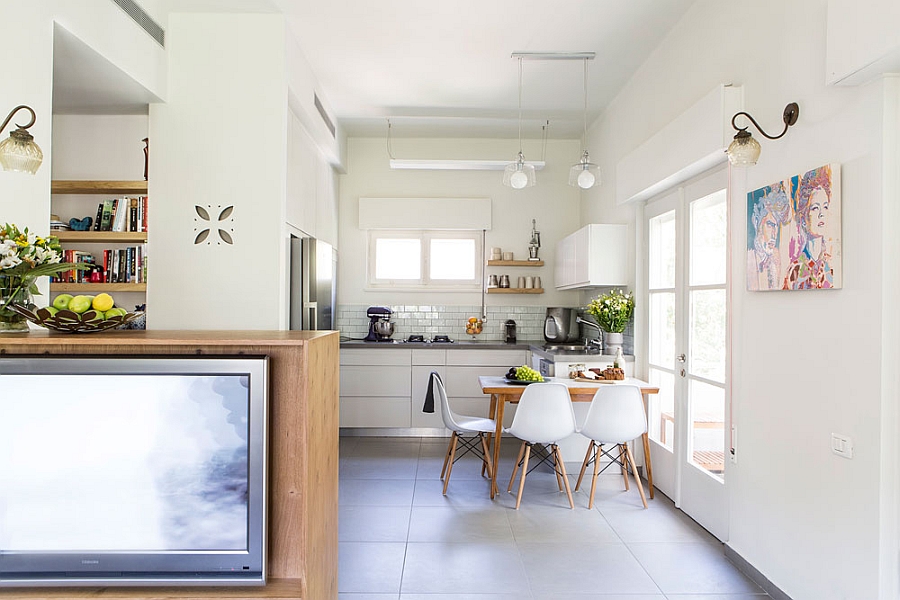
pixel 619 360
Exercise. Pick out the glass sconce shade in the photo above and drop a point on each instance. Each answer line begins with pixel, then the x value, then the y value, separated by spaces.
pixel 518 175
pixel 18 152
pixel 584 174
pixel 744 150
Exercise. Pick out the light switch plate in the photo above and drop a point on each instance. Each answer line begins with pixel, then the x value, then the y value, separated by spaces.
pixel 842 445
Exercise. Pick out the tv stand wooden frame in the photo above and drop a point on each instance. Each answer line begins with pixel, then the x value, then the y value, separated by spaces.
pixel 303 452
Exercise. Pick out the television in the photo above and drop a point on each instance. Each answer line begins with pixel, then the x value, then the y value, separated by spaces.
pixel 132 471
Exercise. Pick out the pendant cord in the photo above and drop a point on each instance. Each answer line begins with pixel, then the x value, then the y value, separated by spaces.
pixel 390 150
pixel 584 85
pixel 520 106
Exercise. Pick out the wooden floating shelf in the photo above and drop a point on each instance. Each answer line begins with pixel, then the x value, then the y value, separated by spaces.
pixel 98 287
pixel 515 263
pixel 100 237
pixel 515 290
pixel 98 187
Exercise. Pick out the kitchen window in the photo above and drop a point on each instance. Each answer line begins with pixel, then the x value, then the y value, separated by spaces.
pixel 425 260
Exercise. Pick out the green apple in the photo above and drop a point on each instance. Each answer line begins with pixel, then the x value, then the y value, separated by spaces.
pixel 52 310
pixel 115 312
pixel 61 302
pixel 80 304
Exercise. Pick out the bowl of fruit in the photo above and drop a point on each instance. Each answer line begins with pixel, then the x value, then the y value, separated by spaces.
pixel 523 375
pixel 78 314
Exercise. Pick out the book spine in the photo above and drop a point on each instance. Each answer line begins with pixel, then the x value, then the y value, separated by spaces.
pixel 97 221
pixel 106 265
pixel 122 266
pixel 144 205
pixel 144 259
pixel 107 215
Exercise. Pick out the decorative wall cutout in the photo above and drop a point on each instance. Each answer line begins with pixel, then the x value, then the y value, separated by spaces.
pixel 223 225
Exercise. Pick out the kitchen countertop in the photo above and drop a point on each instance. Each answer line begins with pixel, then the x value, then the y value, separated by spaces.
pixel 536 346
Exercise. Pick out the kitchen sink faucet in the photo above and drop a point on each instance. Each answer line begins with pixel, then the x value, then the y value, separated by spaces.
pixel 591 342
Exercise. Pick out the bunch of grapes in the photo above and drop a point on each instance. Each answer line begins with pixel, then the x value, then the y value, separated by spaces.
pixel 524 373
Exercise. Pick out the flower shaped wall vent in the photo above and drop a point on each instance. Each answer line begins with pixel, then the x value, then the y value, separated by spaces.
pixel 204 225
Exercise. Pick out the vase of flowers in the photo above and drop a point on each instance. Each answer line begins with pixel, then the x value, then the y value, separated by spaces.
pixel 612 311
pixel 23 258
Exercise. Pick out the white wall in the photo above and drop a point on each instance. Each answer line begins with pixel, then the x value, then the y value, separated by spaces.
pixel 552 202
pixel 812 522
pixel 220 140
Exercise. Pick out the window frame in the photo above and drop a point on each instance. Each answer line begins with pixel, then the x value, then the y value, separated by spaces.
pixel 424 282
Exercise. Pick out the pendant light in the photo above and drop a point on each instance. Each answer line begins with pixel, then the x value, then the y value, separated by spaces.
pixel 584 173
pixel 519 175
pixel 744 150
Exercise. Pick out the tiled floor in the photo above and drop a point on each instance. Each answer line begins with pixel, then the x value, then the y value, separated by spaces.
pixel 401 539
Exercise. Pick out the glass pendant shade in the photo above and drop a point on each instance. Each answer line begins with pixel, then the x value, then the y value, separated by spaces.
pixel 744 150
pixel 518 175
pixel 584 174
pixel 19 152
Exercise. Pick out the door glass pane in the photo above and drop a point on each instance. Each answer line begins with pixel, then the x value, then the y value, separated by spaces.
pixel 398 258
pixel 708 239
pixel 661 408
pixel 707 418
pixel 452 259
pixel 662 329
pixel 662 251
pixel 707 334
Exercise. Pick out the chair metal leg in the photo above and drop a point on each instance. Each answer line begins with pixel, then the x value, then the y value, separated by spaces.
pixel 624 464
pixel 516 467
pixel 453 441
pixel 587 457
pixel 596 473
pixel 447 454
pixel 486 464
pixel 565 478
pixel 524 473
pixel 634 472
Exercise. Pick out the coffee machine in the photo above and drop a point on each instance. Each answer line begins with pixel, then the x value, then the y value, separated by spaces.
pixel 380 327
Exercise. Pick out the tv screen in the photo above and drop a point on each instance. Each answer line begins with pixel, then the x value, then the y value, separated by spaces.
pixel 132 471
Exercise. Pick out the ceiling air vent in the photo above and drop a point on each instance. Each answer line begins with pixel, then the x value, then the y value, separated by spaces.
pixel 138 15
pixel 323 114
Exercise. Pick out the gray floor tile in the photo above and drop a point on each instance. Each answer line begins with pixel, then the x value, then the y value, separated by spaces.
pixel 468 467
pixel 691 568
pixel 559 524
pixel 759 596
pixel 603 597
pixel 376 467
pixel 463 569
pixel 520 596
pixel 368 596
pixel 586 568
pixel 655 524
pixel 370 567
pixel 385 448
pixel 459 524
pixel 373 523
pixel 376 492
pixel 460 492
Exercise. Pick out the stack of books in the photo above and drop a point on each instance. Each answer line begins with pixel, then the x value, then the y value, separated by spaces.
pixel 122 214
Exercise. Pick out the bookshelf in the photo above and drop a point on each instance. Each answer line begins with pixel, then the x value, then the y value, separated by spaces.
pixel 96 241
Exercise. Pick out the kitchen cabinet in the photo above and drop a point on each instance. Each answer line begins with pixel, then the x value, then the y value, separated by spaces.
pixel 386 387
pixel 592 256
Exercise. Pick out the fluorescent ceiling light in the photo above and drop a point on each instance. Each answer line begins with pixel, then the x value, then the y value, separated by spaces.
pixel 457 165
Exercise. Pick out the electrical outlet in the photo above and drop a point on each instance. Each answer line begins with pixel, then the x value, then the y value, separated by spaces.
pixel 842 445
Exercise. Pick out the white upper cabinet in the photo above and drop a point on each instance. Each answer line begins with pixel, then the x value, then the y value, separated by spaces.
pixel 592 256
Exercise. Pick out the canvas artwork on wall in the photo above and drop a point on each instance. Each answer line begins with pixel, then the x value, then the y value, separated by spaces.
pixel 794 232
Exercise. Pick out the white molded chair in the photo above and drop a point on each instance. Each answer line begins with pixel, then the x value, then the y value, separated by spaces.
pixel 615 417
pixel 462 425
pixel 544 416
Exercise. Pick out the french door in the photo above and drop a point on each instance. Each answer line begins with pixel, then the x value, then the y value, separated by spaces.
pixel 686 236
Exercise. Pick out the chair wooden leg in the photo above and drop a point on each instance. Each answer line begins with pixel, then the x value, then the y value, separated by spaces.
pixel 516 467
pixel 594 478
pixel 447 454
pixel 587 458
pixel 556 469
pixel 522 477
pixel 637 478
pixel 624 462
pixel 565 478
pixel 487 457
pixel 450 463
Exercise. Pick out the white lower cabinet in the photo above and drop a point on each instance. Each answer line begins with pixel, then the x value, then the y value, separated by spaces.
pixel 387 387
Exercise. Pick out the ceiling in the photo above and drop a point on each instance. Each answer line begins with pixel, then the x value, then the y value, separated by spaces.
pixel 445 68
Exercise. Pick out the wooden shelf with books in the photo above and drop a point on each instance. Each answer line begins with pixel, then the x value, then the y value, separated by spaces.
pixel 101 237
pixel 86 186
pixel 90 288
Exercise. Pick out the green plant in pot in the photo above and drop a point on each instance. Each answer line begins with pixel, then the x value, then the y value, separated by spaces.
pixel 612 312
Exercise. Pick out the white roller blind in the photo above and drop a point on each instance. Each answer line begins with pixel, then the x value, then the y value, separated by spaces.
pixel 425 213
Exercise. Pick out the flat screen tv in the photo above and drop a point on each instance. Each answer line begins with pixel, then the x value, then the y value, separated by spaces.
pixel 132 471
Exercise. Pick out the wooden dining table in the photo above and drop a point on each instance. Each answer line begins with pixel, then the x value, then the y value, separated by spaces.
pixel 503 392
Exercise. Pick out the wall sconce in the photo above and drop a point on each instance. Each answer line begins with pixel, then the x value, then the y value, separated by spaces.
pixel 19 152
pixel 744 150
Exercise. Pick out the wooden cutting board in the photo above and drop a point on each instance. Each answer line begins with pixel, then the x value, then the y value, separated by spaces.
pixel 586 380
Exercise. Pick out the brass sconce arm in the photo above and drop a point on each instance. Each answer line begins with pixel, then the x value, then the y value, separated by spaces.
pixel 13 112
pixel 791 112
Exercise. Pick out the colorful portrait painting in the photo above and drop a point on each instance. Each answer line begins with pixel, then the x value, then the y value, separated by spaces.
pixel 794 232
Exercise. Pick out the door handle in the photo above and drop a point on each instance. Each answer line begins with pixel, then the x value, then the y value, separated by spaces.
pixel 681 357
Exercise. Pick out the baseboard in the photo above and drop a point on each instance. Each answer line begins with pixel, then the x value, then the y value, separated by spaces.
pixel 753 573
